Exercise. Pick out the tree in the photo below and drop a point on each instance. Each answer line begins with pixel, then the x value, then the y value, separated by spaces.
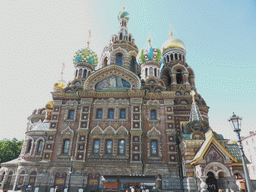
pixel 10 149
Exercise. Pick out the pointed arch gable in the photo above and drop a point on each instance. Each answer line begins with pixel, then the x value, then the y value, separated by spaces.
pixel 67 131
pixel 112 70
pixel 153 132
pixel 122 131
pixel 97 130
pixel 109 131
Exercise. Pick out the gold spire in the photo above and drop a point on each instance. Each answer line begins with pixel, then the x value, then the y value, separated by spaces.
pixel 171 34
pixel 63 66
pixel 88 42
pixel 193 93
pixel 149 40
pixel 124 6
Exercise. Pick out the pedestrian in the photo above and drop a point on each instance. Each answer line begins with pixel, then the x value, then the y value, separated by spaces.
pixel 132 189
pixel 57 189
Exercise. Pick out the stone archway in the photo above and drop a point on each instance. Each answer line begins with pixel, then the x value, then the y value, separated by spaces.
pixel 211 181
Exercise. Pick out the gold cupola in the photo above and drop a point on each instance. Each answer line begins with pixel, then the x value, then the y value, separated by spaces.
pixel 172 42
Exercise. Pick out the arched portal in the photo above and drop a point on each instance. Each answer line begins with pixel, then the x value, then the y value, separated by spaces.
pixel 211 182
pixel 60 180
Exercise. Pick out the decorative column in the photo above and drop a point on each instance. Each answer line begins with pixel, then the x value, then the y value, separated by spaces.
pixel 173 77
pixel 203 184
pixel 185 76
pixel 15 181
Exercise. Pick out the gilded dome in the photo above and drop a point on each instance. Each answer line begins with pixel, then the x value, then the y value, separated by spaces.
pixel 173 42
pixel 49 105
pixel 86 55
pixel 60 84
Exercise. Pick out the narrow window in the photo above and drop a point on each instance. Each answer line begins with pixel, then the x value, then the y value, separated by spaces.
pixel 151 71
pixel 121 36
pixel 80 72
pixel 76 72
pixel 109 147
pixel 155 72
pixel 146 72
pixel 99 114
pixel 84 75
pixel 29 146
pixel 171 57
pixel 180 56
pixel 153 114
pixel 71 114
pixel 153 147
pixel 132 65
pixel 40 146
pixel 129 38
pixel 176 56
pixel 121 147
pixel 66 146
pixel 179 76
pixel 122 114
pixel 96 146
pixel 119 59
pixel 183 58
pixel 167 58
pixel 111 113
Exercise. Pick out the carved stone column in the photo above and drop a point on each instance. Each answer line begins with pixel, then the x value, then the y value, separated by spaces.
pixel 185 76
pixel 173 77
pixel 203 184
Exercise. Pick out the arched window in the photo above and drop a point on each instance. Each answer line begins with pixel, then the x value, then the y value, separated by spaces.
pixel 122 114
pixel 109 147
pixel 96 146
pixel 2 178
pixel 171 57
pixel 76 72
pixel 84 75
pixel 111 113
pixel 119 60
pixel 155 72
pixel 180 56
pixel 179 76
pixel 121 147
pixel 183 58
pixel 29 146
pixel 9 178
pixel 80 72
pixel 132 65
pixel 66 146
pixel 71 114
pixel 121 36
pixel 40 146
pixel 154 148
pixel 99 114
pixel 146 72
pixel 168 58
pixel 105 62
pixel 176 56
pixel 21 178
pixel 153 114
pixel 129 38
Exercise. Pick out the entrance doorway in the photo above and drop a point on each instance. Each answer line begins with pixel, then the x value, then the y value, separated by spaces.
pixel 211 182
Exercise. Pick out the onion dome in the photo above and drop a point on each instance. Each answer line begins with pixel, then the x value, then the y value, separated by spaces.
pixel 123 15
pixel 49 105
pixel 60 84
pixel 172 42
pixel 149 53
pixel 86 55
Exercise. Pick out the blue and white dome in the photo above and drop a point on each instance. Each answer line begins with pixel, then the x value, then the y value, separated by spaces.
pixel 123 14
pixel 149 53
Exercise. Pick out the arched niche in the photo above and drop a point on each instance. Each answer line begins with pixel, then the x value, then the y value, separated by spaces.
pixel 115 76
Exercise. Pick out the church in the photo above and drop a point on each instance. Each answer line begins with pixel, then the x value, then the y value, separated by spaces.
pixel 130 118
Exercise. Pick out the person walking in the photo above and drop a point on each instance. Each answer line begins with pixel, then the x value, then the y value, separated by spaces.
pixel 57 189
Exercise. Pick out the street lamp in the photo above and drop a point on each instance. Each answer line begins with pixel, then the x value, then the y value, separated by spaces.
pixel 71 169
pixel 235 122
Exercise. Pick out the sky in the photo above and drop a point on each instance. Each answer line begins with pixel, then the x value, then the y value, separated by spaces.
pixel 36 37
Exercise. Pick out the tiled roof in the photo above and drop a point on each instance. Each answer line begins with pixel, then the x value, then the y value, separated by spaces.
pixel 233 149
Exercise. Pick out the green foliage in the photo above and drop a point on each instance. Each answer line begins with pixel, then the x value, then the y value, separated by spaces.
pixel 158 57
pixel 142 56
pixel 10 149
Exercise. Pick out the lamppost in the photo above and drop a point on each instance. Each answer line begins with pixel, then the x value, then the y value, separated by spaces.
pixel 71 169
pixel 235 122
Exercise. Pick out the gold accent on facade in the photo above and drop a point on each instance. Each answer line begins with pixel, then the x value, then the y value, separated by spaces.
pixel 49 105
